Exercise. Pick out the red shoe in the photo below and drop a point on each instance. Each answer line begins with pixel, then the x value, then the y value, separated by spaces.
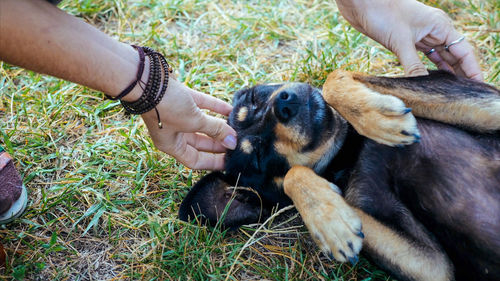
pixel 13 194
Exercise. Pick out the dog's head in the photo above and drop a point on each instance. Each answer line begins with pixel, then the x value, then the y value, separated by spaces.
pixel 278 126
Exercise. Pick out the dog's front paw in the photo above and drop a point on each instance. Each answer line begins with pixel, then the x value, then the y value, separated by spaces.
pixel 386 120
pixel 382 118
pixel 335 227
pixel 333 224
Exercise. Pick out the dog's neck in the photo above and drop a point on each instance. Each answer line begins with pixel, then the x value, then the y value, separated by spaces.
pixel 333 133
pixel 340 167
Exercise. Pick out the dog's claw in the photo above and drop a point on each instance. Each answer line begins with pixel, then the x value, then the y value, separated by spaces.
pixel 354 260
pixel 350 246
pixel 361 234
pixel 404 132
pixel 417 138
pixel 343 254
pixel 335 226
pixel 406 110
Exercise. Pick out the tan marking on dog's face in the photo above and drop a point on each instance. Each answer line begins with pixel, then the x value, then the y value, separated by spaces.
pixel 280 89
pixel 290 142
pixel 246 146
pixel 308 159
pixel 242 114
pixel 290 138
pixel 278 181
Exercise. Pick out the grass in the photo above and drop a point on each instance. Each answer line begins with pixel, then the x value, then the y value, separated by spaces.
pixel 104 201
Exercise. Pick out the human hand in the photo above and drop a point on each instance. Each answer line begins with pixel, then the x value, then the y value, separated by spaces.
pixel 405 26
pixel 194 138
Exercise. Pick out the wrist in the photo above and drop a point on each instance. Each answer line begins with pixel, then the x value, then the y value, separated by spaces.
pixel 153 90
pixel 138 89
pixel 128 71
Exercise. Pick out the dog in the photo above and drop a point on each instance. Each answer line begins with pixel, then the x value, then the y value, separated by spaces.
pixel 421 196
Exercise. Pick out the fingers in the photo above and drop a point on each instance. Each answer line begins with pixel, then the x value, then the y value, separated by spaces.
pixel 204 143
pixel 459 60
pixel 461 57
pixel 436 58
pixel 407 54
pixel 199 160
pixel 433 55
pixel 211 103
pixel 195 151
pixel 219 130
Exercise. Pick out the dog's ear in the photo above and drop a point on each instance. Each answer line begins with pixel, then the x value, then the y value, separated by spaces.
pixel 213 198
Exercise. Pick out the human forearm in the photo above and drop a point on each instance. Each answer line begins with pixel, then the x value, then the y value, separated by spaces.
pixel 40 37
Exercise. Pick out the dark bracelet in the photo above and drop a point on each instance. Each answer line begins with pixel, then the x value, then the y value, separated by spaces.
pixel 155 87
pixel 140 71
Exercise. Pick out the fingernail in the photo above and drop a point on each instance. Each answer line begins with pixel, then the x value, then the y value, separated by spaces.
pixel 229 142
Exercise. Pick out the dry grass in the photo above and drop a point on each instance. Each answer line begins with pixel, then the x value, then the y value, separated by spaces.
pixel 104 202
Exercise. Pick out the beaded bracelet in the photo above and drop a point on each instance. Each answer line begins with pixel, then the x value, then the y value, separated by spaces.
pixel 153 89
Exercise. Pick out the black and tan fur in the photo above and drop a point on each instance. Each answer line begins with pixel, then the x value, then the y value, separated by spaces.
pixel 422 196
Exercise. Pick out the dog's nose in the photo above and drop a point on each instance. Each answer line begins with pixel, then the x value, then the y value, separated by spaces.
pixel 286 105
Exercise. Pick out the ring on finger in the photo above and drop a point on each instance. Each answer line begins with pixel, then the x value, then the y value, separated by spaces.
pixel 447 47
pixel 430 51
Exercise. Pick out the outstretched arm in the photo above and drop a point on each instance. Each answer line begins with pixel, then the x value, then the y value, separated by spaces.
pixel 38 36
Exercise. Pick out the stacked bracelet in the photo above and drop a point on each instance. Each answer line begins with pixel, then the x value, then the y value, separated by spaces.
pixel 154 89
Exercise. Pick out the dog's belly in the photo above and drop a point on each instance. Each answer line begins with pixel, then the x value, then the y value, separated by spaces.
pixel 451 184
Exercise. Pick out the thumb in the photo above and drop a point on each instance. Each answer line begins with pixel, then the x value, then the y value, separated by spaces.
pixel 219 130
pixel 410 60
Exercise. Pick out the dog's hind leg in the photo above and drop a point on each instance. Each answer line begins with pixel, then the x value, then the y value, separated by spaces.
pixel 404 257
pixel 395 240
pixel 394 237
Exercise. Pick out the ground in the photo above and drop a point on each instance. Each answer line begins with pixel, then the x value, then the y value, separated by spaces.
pixel 104 200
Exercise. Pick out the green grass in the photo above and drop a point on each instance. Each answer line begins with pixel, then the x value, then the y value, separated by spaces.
pixel 104 201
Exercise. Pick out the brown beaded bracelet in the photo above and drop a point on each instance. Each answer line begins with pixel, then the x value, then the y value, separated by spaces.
pixel 154 90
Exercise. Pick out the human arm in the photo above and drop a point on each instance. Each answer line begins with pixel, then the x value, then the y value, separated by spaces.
pixel 405 26
pixel 38 36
